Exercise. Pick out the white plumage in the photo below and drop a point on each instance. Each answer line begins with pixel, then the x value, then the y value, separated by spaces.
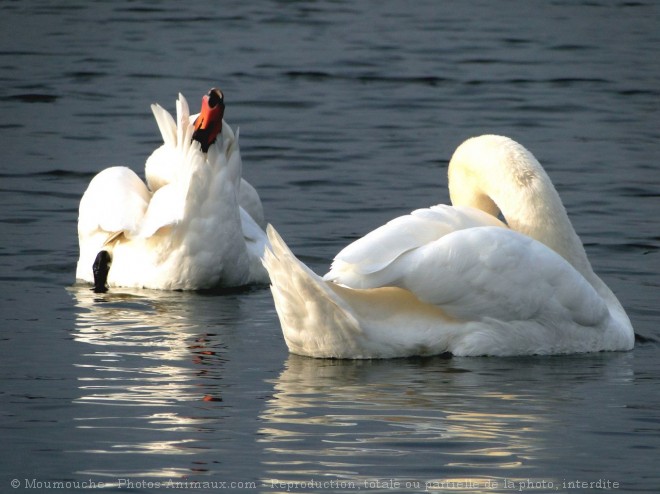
pixel 455 278
pixel 188 228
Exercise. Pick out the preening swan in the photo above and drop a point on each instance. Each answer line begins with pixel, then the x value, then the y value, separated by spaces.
pixel 455 278
pixel 196 224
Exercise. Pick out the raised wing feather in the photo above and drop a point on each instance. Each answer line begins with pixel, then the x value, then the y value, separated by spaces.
pixel 364 263
pixel 166 124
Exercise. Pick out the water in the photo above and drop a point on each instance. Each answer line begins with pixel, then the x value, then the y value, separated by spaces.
pixel 349 113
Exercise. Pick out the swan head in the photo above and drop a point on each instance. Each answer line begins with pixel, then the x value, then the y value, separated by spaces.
pixel 208 124
pixel 182 134
pixel 498 175
pixel 469 172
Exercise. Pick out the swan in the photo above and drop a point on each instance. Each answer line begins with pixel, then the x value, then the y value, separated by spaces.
pixel 455 279
pixel 195 224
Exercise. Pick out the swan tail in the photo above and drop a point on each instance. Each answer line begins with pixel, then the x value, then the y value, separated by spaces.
pixel 315 321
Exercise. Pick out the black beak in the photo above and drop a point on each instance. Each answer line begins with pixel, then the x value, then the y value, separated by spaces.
pixel 101 268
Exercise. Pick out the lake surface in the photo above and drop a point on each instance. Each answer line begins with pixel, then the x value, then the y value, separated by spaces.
pixel 349 112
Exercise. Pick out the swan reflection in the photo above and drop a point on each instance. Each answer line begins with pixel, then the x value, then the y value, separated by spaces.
pixel 458 420
pixel 153 361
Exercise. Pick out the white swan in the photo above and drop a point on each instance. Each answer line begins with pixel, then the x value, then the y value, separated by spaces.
pixel 197 225
pixel 455 278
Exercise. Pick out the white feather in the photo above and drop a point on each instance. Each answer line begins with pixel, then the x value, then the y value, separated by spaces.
pixel 454 278
pixel 166 125
pixel 184 231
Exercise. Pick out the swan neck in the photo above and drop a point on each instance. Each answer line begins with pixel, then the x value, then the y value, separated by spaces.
pixel 498 175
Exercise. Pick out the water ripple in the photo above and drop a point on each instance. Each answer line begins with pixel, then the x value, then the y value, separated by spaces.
pixel 349 113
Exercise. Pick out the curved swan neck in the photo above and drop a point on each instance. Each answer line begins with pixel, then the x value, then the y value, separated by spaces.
pixel 496 174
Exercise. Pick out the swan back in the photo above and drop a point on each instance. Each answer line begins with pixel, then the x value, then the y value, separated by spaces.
pixel 371 261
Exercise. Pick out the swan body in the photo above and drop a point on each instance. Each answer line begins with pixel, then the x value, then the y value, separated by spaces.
pixel 455 278
pixel 186 228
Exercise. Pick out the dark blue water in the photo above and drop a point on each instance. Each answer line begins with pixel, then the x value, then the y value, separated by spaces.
pixel 348 112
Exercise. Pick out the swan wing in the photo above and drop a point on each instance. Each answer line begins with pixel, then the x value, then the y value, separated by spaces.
pixel 256 243
pixel 171 202
pixel 115 201
pixel 365 262
pixel 165 209
pixel 249 199
pixel 468 264
pixel 490 273
pixel 254 236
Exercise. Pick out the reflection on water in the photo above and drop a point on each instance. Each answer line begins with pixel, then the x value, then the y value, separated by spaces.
pixel 460 420
pixel 148 360
pixel 190 386
pixel 348 127
pixel 148 340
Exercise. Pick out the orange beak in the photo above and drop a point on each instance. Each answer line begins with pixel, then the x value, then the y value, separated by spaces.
pixel 209 122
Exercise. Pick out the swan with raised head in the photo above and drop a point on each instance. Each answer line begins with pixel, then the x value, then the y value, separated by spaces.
pixel 196 224
pixel 455 278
